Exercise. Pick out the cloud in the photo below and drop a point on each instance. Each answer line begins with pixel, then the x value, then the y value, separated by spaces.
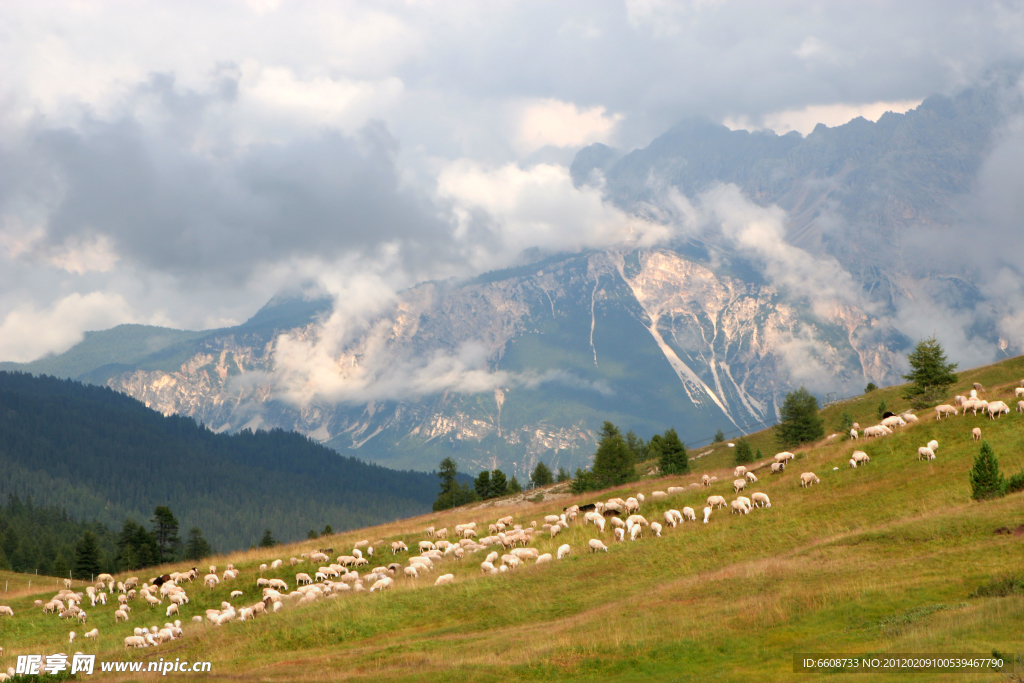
pixel 28 333
pixel 805 119
pixel 562 124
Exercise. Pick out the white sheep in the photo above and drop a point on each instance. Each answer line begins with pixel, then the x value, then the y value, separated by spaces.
pixel 739 471
pixel 563 551
pixel 860 457
pixel 596 545
pixel 1020 406
pixel 636 532
pixel 91 634
pixel 933 444
pixel 120 615
pixel 925 453
pixel 675 490
pixel 853 434
pixel 659 495
pixel 894 421
pixel 877 430
pixel 716 501
pixel 738 485
pixel 751 477
pixel 909 417
pixel 976 434
pixel 760 499
pixel 619 533
pixel 943 410
pixel 707 514
pixel 853 463
pixel 705 480
pixel 778 467
pixel 688 515
pixel 6 611
pixel 656 528
pixel 784 456
pixel 444 579
pixel 997 408
pixel 738 507
pixel 808 479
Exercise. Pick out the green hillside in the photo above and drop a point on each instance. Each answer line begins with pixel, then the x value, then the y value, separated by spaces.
pixel 104 456
pixel 891 557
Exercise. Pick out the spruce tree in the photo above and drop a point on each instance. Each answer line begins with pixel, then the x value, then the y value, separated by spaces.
pixel 513 485
pixel 499 485
pixel 930 374
pixel 447 472
pixel 165 532
pixel 719 436
pixel 744 454
pixel 196 547
pixel 482 484
pixel 613 463
pixel 636 446
pixel 562 476
pixel 541 475
pixel 673 458
pixel 327 531
pixel 799 421
pixel 87 557
pixel 268 540
pixel 986 479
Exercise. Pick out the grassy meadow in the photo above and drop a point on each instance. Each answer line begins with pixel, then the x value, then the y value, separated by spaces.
pixel 880 559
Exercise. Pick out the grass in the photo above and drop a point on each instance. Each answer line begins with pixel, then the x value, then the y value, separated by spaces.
pixel 893 557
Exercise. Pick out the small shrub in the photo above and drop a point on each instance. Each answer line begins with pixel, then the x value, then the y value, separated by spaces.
pixel 986 479
pixel 743 453
pixel 1000 587
pixel 882 410
pixel 1015 483
pixel 870 387
pixel 719 436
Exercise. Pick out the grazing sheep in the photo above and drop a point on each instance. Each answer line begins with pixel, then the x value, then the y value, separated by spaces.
pixel 382 584
pixel 894 421
pixel 853 434
pixel 1020 406
pixel 933 444
pixel 738 485
pixel 943 410
pixel 959 400
pixel 877 430
pixel 751 477
pixel 997 408
pixel 444 579
pixel 808 478
pixel 978 387
pixel 617 522
pixel 619 533
pixel 784 456
pixel 6 611
pixel 563 551
pixel 411 572
pixel 853 463
pixel 739 508
pixel 707 514
pixel 688 515
pixel 546 557
pixel 860 457
pixel 739 471
pixel 778 467
pixel 596 545
pixel 120 615
pixel 760 500
pixel 636 532
pixel 716 501
pixel 91 634
pixel 659 495
pixel 656 528
pixel 925 453
pixel 909 417
pixel 705 480
pixel 675 490
pixel 976 434
pixel 172 609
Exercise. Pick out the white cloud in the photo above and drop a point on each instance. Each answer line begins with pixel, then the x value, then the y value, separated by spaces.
pixel 804 120
pixel 563 124
pixel 28 333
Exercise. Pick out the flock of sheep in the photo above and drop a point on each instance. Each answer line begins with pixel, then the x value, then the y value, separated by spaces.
pixel 331 579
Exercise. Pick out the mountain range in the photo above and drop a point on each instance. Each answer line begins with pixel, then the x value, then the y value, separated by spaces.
pixel 701 332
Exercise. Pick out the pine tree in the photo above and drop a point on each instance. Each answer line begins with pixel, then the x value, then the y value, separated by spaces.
pixel 87 557
pixel 196 547
pixel 542 475
pixel 673 458
pixel 312 535
pixel 513 485
pixel 446 472
pixel 582 482
pixel 986 479
pixel 613 463
pixel 930 374
pixel 636 446
pixel 499 485
pixel 482 484
pixel 165 531
pixel 327 531
pixel 719 436
pixel 799 421
pixel 268 540
pixel 758 456
pixel 562 476
pixel 744 454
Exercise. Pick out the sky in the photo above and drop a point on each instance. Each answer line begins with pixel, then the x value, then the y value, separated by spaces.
pixel 178 164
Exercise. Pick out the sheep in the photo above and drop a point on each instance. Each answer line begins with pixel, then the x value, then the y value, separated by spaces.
pixel 860 457
pixel 808 478
pixel 716 501
pixel 877 430
pixel 959 400
pixel 705 480
pixel 596 545
pixel 976 434
pixel 656 528
pixel 707 514
pixel 760 499
pixel 382 584
pixel 444 579
pixel 751 477
pixel 617 522
pixel 659 495
pixel 91 634
pixel 303 579
pixel 619 533
pixel 487 567
pixel 778 467
pixel 909 417
pixel 853 463
pixel 943 410
pixel 688 515
pixel 739 471
pixel 636 532
pixel 894 421
pixel 978 387
pixel 853 434
pixel 1020 406
pixel 546 557
pixel 134 641
pixel 172 609
pixel 739 507
pixel 6 611
pixel 997 408
pixel 925 453
pixel 554 530
pixel 784 456
pixel 674 490
pixel 738 485
pixel 430 532
pixel 410 572
pixel 120 615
